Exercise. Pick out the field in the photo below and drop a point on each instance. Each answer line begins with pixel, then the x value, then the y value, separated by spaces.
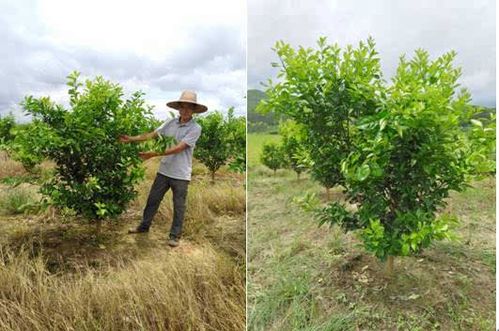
pixel 305 277
pixel 60 272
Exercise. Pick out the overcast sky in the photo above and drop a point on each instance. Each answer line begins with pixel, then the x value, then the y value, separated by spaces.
pixel 159 47
pixel 398 27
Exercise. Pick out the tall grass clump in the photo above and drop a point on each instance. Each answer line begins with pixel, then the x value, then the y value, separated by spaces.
pixel 16 201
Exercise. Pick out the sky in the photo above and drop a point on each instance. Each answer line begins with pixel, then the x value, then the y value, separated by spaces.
pixel 398 27
pixel 158 47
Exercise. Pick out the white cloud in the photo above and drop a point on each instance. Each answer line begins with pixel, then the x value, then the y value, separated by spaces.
pixel 134 43
pixel 399 27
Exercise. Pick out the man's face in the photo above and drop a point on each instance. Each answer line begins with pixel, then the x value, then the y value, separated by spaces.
pixel 185 110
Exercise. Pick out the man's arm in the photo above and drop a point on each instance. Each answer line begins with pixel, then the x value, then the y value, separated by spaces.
pixel 140 137
pixel 172 150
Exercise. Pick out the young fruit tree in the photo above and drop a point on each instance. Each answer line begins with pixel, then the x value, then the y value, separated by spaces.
pixel 27 144
pixel 398 149
pixel 7 123
pixel 292 136
pixel 325 90
pixel 237 136
pixel 481 133
pixel 273 156
pixel 95 174
pixel 409 154
pixel 221 141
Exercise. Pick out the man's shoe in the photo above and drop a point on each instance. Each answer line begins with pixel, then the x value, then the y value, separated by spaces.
pixel 173 242
pixel 137 230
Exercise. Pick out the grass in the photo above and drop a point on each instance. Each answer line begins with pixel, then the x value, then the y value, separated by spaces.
pixel 305 277
pixel 61 272
pixel 10 167
pixel 195 289
pixel 17 200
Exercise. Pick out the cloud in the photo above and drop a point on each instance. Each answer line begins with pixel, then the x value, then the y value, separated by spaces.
pixel 399 27
pixel 157 47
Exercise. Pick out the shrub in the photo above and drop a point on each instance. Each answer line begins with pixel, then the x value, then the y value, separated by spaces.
pixel 295 152
pixel 273 156
pixel 28 143
pixel 95 174
pixel 325 90
pixel 397 149
pixel 7 123
pixel 222 140
pixel 407 158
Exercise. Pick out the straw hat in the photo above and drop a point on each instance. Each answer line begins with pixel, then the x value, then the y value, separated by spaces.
pixel 190 98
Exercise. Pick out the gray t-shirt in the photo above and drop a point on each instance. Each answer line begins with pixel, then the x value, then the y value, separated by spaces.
pixel 179 166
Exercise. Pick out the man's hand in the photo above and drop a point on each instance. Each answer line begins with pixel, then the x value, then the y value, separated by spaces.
pixel 147 155
pixel 125 139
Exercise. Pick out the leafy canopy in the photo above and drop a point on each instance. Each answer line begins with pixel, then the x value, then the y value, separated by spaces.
pixel 222 141
pixel 295 152
pixel 408 156
pixel 273 156
pixel 398 149
pixel 7 123
pixel 95 174
pixel 325 90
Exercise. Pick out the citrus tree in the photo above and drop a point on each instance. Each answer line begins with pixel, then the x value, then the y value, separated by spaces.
pixel 325 90
pixel 399 148
pixel 273 156
pixel 292 136
pixel 7 123
pixel 237 137
pixel 26 147
pixel 95 174
pixel 222 141
pixel 408 156
pixel 481 133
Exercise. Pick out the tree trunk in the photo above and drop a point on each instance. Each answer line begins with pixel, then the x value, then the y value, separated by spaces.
pixel 328 193
pixel 389 265
pixel 213 176
pixel 275 171
pixel 98 226
pixel 298 175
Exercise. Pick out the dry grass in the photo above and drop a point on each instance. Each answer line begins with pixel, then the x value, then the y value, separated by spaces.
pixel 59 272
pixel 189 289
pixel 9 167
pixel 206 201
pixel 17 200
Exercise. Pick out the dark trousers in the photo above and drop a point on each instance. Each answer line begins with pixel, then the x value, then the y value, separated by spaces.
pixel 159 188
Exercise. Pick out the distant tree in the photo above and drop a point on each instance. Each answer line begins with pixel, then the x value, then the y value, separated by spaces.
pixel 7 123
pixel 273 156
pixel 222 140
pixel 237 141
pixel 28 144
pixel 481 134
pixel 293 136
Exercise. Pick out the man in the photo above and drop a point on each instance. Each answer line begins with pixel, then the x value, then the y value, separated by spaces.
pixel 176 165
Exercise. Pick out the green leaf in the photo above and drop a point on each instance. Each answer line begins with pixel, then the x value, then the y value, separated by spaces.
pixel 477 123
pixel 382 124
pixel 363 172
pixel 405 249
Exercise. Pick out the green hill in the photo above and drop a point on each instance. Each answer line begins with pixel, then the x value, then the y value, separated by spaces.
pixel 260 122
